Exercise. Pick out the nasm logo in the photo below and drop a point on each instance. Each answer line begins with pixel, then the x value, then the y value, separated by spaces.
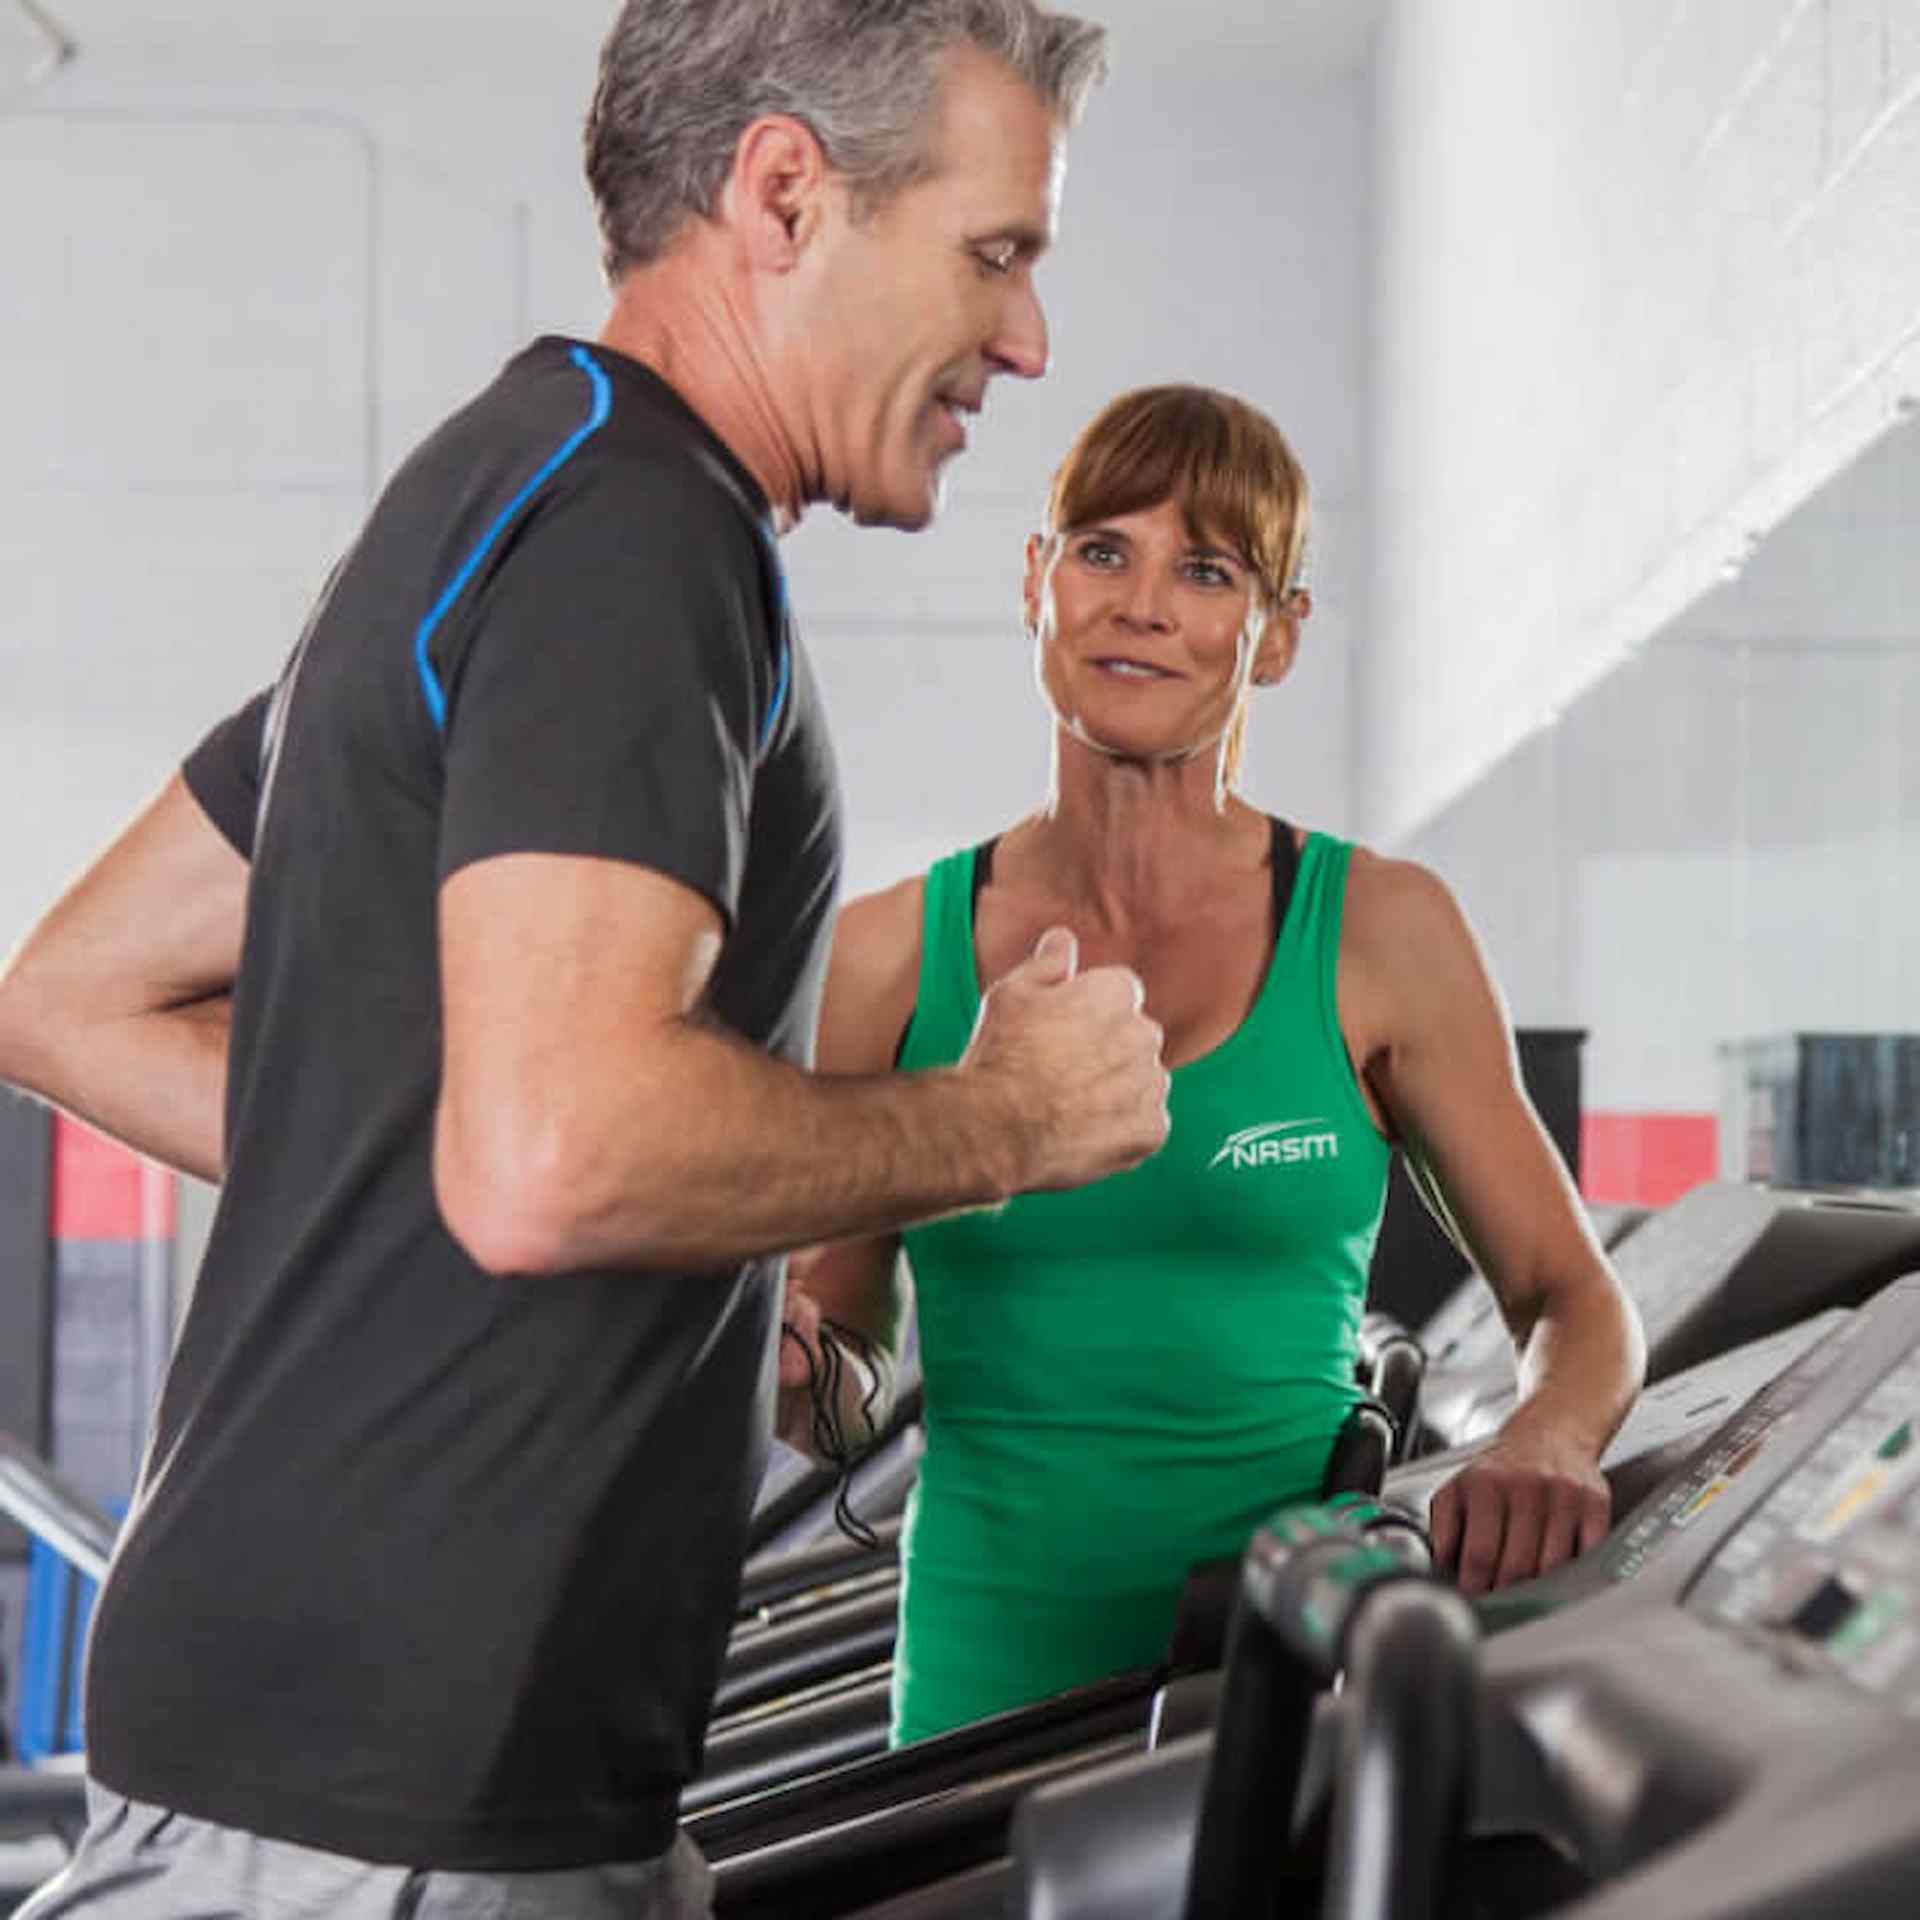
pixel 1279 1143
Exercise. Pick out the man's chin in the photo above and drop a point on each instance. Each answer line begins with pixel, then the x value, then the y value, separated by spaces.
pixel 903 510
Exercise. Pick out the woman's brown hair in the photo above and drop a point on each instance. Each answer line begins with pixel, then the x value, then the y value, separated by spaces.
pixel 1226 463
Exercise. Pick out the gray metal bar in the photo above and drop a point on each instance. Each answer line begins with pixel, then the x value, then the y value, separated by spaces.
pixel 34 1495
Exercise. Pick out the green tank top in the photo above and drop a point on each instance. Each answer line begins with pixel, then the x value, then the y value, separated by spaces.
pixel 1124 1380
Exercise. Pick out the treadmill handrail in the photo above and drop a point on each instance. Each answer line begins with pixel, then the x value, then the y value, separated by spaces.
pixel 34 1801
pixel 51 1509
pixel 834 1638
pixel 762 1878
pixel 1305 1576
pixel 1406 1754
pixel 807 1568
pixel 1361 1452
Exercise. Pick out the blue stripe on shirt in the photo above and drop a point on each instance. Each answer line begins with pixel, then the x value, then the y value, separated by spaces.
pixel 602 405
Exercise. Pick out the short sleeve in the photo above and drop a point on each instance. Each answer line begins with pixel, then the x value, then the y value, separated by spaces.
pixel 605 698
pixel 223 773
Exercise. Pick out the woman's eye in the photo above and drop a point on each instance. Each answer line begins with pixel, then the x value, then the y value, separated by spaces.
pixel 1099 553
pixel 1210 573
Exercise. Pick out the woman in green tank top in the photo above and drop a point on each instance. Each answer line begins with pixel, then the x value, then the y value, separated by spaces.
pixel 1122 1380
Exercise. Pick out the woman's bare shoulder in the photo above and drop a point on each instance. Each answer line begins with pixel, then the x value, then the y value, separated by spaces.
pixel 1396 904
pixel 873 979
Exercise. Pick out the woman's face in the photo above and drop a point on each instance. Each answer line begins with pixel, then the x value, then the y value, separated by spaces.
pixel 1146 636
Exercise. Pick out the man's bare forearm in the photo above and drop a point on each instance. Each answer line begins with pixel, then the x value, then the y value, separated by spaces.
pixel 116 1006
pixel 721 1154
pixel 590 1116
pixel 155 1081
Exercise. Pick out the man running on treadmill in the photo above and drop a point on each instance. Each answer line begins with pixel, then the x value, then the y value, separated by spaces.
pixel 481 964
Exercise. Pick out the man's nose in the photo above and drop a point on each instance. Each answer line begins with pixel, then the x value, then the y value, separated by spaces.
pixel 1021 346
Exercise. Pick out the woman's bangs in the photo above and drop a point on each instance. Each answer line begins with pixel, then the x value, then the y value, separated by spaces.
pixel 1227 468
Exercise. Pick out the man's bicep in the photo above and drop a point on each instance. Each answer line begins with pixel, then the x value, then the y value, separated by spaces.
pixel 555 966
pixel 565 985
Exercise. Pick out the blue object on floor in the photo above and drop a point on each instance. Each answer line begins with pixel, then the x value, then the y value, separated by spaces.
pixel 53 1648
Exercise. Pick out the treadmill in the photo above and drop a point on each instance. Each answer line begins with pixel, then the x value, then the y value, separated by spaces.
pixel 894 1825
pixel 1724 1264
pixel 806 1685
pixel 1716 1716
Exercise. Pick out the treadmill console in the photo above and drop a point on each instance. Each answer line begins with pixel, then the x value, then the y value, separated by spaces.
pixel 1745 1441
pixel 1675 1410
pixel 1827 1571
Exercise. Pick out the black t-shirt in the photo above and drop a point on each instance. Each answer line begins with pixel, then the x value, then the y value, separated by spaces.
pixel 430 1566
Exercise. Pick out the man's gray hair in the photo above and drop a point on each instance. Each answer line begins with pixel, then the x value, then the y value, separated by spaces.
pixel 681 80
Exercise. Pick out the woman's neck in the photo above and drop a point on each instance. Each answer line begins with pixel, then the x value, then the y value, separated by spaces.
pixel 1133 843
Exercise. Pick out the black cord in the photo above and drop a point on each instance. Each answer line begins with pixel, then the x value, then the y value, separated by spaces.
pixel 826 1374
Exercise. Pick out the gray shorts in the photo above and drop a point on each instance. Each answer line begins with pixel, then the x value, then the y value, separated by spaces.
pixel 136 1862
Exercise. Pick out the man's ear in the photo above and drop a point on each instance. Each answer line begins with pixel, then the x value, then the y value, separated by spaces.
pixel 775 197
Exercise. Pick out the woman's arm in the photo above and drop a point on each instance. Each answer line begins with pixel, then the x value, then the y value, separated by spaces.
pixel 872 982
pixel 1440 1060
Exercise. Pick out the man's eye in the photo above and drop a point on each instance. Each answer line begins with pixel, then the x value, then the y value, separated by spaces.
pixel 998 258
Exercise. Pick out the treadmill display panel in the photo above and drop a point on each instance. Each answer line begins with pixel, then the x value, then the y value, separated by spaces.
pixel 1746 1439
pixel 1828 1570
pixel 1678 1407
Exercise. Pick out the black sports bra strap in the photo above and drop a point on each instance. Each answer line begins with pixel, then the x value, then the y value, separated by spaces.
pixel 982 867
pixel 1285 861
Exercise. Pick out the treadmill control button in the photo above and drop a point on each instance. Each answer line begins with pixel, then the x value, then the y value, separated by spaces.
pixel 1824 1611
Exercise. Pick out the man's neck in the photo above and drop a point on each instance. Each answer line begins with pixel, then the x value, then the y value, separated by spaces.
pixel 680 317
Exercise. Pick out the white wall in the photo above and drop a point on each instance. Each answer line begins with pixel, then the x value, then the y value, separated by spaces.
pixel 1722 840
pixel 1646 277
